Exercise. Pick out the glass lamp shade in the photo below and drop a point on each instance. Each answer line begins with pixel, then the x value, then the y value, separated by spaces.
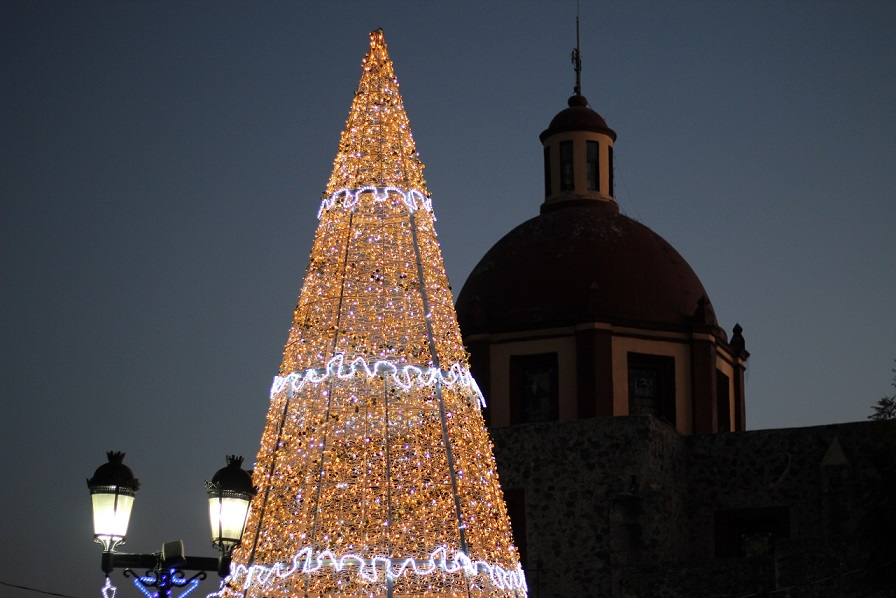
pixel 111 513
pixel 112 490
pixel 227 515
pixel 229 495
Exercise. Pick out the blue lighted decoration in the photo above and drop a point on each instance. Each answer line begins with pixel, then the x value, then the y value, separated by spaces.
pixel 170 579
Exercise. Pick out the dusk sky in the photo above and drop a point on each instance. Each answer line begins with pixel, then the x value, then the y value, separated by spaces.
pixel 162 163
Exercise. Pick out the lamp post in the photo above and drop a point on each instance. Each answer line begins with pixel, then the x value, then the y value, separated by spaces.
pixel 113 488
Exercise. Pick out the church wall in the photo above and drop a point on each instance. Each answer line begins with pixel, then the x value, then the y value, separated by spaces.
pixel 500 354
pixel 680 351
pixel 624 341
pixel 724 366
pixel 833 484
pixel 626 506
pixel 600 495
pixel 786 468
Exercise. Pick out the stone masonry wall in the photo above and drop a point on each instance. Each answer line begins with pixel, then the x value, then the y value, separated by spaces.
pixel 626 507
pixel 601 495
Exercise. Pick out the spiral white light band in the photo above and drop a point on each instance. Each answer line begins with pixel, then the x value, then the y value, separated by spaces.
pixel 308 561
pixel 349 198
pixel 405 377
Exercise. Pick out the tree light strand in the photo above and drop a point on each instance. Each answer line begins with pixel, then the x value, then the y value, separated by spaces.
pixel 308 561
pixel 414 199
pixel 405 377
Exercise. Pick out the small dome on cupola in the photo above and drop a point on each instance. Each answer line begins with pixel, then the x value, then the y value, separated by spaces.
pixel 578 117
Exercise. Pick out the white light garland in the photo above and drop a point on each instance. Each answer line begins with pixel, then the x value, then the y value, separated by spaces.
pixel 349 198
pixel 307 561
pixel 405 377
pixel 108 590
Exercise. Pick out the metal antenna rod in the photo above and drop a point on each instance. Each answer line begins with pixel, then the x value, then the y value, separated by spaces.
pixel 577 59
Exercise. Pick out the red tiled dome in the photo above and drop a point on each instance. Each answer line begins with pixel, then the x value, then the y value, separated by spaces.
pixel 582 261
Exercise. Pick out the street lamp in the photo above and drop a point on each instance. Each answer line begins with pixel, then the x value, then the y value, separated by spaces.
pixel 229 494
pixel 112 490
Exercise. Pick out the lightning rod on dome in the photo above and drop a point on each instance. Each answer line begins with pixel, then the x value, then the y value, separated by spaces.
pixel 577 58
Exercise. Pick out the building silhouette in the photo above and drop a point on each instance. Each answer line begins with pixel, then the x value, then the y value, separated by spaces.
pixel 617 410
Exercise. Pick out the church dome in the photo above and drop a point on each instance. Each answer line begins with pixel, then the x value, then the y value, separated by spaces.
pixel 583 261
pixel 580 260
pixel 584 312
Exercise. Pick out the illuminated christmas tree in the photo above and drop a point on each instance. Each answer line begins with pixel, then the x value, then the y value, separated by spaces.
pixel 375 473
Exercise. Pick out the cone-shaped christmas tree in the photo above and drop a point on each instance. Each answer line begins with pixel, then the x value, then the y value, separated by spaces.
pixel 375 473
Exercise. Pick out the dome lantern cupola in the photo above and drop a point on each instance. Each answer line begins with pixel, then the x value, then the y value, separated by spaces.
pixel 578 150
pixel 578 155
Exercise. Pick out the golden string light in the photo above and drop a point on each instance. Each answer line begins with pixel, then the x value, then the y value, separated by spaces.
pixel 375 473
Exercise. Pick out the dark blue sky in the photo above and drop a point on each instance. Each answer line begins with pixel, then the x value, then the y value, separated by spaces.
pixel 161 166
